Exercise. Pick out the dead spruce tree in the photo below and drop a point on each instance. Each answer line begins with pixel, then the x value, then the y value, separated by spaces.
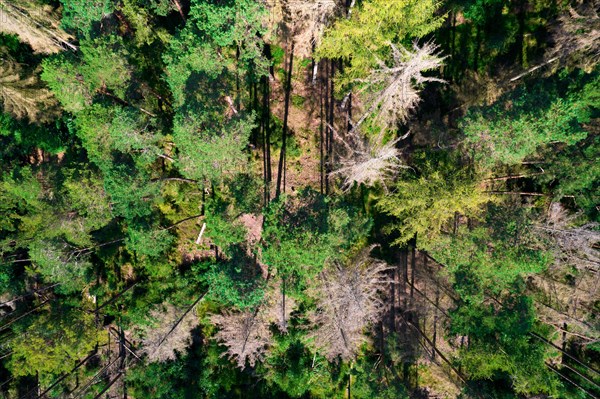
pixel 167 334
pixel 391 94
pixel 308 20
pixel 278 305
pixel 391 91
pixel 245 334
pixel 36 24
pixel 572 245
pixel 361 161
pixel 23 95
pixel 348 300
pixel 577 35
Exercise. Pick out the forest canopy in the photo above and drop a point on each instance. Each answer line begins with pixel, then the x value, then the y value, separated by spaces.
pixel 299 199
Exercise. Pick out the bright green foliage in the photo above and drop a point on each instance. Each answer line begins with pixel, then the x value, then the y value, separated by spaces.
pixel 147 31
pixel 491 268
pixel 421 206
pixel 84 193
pixel 105 64
pixel 202 68
pixel 55 266
pixel 292 368
pixel 495 254
pixel 158 380
pixel 302 233
pixel 370 381
pixel 63 78
pixel 500 346
pixel 221 227
pixel 23 138
pixel 236 283
pixel 576 171
pixel 56 340
pixel 204 47
pixel 207 151
pixel 105 129
pixel 518 125
pixel 148 241
pixel 103 67
pixel 20 196
pixel 365 38
pixel 79 15
pixel 487 267
pixel 130 193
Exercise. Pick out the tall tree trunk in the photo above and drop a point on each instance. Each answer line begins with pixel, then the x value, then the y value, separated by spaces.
pixel 405 269
pixel 326 159
pixel 288 89
pixel 321 141
pixel 330 125
pixel 435 318
pixel 564 342
pixel 412 275
pixel 284 322
pixel 265 122
pixel 349 127
pixel 477 47
pixel 393 294
pixel 238 93
pixel 180 9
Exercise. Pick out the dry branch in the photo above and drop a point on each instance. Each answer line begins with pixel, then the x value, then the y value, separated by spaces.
pixel 365 162
pixel 348 301
pixel 245 335
pixel 160 343
pixel 394 90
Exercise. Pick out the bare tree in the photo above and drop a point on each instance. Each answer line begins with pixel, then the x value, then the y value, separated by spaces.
pixel 35 23
pixel 159 342
pixel 304 21
pixel 348 301
pixel 364 161
pixel 392 92
pixel 23 95
pixel 569 288
pixel 577 33
pixel 577 246
pixel 279 305
pixel 245 334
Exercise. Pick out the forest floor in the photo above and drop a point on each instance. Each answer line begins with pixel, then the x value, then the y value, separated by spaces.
pixel 304 123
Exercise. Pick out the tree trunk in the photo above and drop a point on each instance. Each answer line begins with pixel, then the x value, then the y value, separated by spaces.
pixel 435 318
pixel 264 123
pixel 393 294
pixel 288 89
pixel 349 127
pixel 412 275
pixel 321 141
pixel 284 323
pixel 326 159
pixel 330 124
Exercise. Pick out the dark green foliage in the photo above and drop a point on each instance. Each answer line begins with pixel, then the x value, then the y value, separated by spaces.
pixel 302 233
pixel 157 129
pixel 487 267
pixel 521 123
pixel 79 15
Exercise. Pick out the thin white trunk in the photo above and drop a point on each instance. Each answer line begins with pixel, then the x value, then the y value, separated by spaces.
pixel 200 235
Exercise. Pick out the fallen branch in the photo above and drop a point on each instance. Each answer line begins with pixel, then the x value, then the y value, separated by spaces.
pixel 200 235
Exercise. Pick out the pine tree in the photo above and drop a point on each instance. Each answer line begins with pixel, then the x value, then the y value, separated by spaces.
pixel 365 37
pixel 421 206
